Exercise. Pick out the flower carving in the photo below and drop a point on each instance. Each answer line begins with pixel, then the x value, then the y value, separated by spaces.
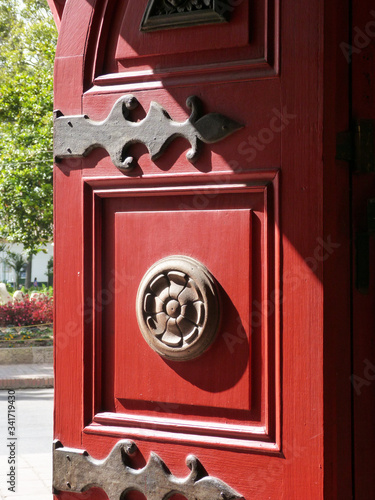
pixel 171 14
pixel 174 308
pixel 172 6
pixel 177 307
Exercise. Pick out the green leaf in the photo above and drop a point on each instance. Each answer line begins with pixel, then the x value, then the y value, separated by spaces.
pixel 27 46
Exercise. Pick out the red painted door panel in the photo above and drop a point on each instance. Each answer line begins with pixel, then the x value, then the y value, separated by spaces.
pixel 234 402
pixel 266 409
pixel 184 233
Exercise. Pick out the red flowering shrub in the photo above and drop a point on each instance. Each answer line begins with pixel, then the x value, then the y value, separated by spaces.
pixel 28 312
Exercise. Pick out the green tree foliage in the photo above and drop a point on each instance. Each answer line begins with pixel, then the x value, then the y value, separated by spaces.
pixel 27 45
pixel 17 262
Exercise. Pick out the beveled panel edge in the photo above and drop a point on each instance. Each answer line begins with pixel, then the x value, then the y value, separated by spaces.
pixel 256 179
pixel 215 73
pixel 250 442
pixel 182 425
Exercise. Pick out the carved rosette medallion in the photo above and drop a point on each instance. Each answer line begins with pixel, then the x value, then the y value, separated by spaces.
pixel 178 308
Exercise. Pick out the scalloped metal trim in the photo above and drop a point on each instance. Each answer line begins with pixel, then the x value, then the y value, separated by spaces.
pixel 75 471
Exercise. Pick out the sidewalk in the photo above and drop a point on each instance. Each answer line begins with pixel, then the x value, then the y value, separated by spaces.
pixel 33 385
pixel 34 376
pixel 33 443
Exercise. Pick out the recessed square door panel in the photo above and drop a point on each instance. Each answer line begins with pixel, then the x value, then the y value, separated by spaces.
pixel 221 240
pixel 227 394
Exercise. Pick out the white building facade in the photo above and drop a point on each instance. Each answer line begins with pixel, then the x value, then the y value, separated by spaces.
pixel 38 267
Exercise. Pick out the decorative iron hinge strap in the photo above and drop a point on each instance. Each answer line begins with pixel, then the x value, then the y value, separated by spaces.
pixel 358 146
pixel 77 136
pixel 75 471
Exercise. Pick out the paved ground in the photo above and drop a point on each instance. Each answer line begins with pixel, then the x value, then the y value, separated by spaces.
pixel 34 417
pixel 26 376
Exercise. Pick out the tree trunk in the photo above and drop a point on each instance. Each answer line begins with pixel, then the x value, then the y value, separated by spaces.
pixel 28 272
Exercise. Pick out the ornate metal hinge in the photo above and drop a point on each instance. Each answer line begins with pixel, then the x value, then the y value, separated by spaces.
pixel 77 136
pixel 75 471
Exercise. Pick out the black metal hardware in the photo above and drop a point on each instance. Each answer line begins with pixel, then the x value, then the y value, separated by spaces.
pixel 358 146
pixel 172 14
pixel 362 247
pixel 75 471
pixel 77 136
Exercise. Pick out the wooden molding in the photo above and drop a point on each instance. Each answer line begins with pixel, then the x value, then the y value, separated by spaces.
pixel 258 426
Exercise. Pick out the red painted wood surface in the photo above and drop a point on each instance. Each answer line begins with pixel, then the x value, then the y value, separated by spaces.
pixel 267 408
pixel 185 232
pixel 57 8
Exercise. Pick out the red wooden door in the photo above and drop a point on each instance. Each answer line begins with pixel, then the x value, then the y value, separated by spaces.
pixel 257 233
